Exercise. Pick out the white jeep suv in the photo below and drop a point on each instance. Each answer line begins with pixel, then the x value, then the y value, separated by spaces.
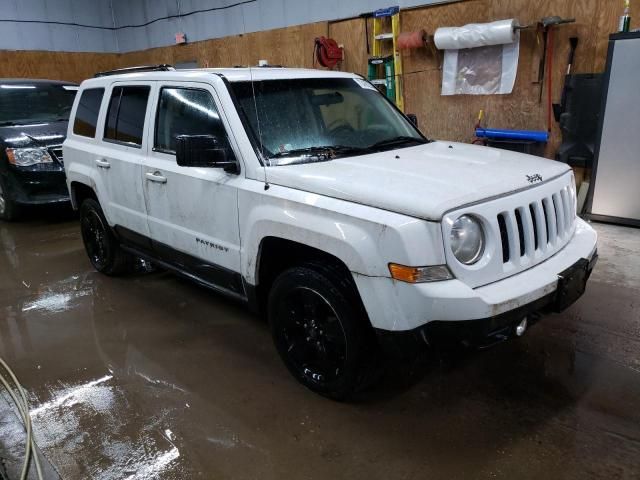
pixel 309 196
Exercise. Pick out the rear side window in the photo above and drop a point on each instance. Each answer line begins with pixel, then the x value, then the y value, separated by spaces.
pixel 185 111
pixel 125 117
pixel 87 112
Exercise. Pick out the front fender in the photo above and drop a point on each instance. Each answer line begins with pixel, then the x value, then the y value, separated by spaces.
pixel 365 239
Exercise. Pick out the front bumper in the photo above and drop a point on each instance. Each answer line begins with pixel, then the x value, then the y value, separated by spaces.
pixel 396 306
pixel 481 333
pixel 487 332
pixel 36 187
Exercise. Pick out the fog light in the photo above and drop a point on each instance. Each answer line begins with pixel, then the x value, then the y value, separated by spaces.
pixel 522 327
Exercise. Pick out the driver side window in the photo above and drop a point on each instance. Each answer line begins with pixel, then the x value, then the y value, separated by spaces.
pixel 185 111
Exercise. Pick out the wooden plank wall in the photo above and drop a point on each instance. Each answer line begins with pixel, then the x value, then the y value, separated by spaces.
pixel 440 117
pixel 454 117
pixel 292 46
pixel 69 66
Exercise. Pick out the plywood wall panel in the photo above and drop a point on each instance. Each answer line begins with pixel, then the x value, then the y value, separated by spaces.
pixel 70 66
pixel 606 20
pixel 440 117
pixel 454 117
pixel 291 46
pixel 352 35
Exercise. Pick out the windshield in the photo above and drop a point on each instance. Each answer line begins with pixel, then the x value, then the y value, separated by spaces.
pixel 310 120
pixel 26 103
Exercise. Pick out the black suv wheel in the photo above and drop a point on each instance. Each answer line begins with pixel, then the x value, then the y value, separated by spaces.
pixel 8 208
pixel 320 329
pixel 101 245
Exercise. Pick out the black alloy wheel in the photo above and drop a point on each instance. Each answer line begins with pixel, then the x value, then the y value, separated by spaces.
pixel 8 208
pixel 320 329
pixel 3 202
pixel 315 340
pixel 95 237
pixel 100 243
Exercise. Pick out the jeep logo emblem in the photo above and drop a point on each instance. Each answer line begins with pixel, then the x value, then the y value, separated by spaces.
pixel 534 178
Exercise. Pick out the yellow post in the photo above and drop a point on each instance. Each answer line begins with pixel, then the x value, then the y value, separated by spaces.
pixel 377 30
pixel 397 62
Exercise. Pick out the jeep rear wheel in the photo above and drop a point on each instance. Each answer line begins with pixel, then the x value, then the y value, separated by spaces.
pixel 320 331
pixel 100 243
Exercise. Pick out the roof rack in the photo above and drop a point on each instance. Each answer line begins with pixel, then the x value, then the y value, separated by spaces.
pixel 142 68
pixel 266 65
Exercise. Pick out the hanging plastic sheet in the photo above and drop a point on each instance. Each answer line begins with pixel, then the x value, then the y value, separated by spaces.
pixel 480 59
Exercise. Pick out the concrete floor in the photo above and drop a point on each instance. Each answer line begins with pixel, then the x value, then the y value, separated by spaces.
pixel 153 377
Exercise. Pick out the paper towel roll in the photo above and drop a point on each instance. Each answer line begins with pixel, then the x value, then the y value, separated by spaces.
pixel 476 35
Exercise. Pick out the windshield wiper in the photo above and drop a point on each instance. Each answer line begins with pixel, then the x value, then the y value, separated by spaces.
pixel 8 124
pixel 328 151
pixel 389 142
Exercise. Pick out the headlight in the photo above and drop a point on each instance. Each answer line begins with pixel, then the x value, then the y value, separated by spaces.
pixel 467 240
pixel 26 157
pixel 573 191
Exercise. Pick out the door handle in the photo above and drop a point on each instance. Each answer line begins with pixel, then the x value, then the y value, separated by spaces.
pixel 155 177
pixel 102 163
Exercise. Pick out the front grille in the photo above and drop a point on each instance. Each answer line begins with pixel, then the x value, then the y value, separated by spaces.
pixel 523 229
pixel 56 153
pixel 540 226
pixel 502 224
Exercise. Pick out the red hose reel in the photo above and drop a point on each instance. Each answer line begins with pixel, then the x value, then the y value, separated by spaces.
pixel 327 52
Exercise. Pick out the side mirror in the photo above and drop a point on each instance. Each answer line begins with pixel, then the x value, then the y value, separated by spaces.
pixel 205 151
pixel 413 118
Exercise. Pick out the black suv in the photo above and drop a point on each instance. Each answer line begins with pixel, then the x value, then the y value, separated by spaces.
pixel 33 124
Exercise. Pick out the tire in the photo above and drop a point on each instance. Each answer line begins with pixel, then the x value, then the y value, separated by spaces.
pixel 321 331
pixel 9 210
pixel 100 243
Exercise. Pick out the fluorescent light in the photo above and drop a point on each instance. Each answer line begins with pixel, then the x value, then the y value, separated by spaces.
pixel 17 86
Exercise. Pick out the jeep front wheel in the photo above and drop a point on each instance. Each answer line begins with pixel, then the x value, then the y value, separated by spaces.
pixel 320 330
pixel 100 243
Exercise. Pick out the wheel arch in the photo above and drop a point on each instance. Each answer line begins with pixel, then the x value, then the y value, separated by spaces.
pixel 275 254
pixel 79 192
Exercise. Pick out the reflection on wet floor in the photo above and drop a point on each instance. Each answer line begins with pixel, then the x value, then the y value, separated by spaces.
pixel 150 376
pixel 85 419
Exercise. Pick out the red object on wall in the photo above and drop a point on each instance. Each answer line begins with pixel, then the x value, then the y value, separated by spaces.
pixel 327 52
pixel 407 40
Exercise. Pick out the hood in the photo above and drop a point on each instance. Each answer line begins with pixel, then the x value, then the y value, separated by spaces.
pixel 424 181
pixel 36 135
